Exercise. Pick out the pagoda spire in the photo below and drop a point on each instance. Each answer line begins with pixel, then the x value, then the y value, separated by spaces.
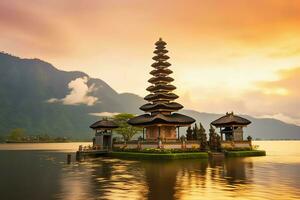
pixel 161 96
pixel 159 120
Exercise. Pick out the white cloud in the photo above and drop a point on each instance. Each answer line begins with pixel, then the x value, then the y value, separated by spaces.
pixel 104 114
pixel 79 93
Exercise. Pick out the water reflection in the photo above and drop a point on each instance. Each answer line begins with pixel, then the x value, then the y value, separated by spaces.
pixel 114 179
pixel 45 175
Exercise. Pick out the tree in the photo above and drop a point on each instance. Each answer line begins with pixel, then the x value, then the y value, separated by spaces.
pixel 125 129
pixel 201 136
pixel 16 134
pixel 214 139
pixel 2 139
pixel 195 132
pixel 189 133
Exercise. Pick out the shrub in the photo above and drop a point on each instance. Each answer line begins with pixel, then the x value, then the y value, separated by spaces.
pixel 245 153
pixel 237 149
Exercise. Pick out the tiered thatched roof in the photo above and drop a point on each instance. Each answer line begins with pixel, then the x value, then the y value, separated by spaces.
pixel 161 98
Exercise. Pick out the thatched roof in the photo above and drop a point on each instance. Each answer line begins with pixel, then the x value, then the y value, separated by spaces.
pixel 230 119
pixel 153 97
pixel 104 124
pixel 160 42
pixel 161 71
pixel 161 64
pixel 173 106
pixel 160 57
pixel 160 51
pixel 173 119
pixel 160 79
pixel 163 86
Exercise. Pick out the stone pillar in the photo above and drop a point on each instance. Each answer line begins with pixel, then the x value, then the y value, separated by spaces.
pixel 183 142
pixel 159 143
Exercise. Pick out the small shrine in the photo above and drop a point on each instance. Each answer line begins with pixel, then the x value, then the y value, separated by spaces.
pixel 103 134
pixel 231 130
pixel 231 126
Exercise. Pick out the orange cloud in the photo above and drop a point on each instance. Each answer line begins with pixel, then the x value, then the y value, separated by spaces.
pixel 278 98
pixel 217 48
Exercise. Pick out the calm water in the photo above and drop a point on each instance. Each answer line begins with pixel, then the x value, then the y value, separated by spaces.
pixel 39 171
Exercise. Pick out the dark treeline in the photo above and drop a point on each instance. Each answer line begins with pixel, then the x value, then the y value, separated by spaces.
pixel 19 135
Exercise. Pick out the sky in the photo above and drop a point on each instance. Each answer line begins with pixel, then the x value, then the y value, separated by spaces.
pixel 234 55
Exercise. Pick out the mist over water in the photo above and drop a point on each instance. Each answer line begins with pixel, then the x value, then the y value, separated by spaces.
pixel 39 171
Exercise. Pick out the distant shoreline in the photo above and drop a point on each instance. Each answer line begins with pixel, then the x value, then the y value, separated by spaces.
pixel 70 141
pixel 38 142
pixel 274 139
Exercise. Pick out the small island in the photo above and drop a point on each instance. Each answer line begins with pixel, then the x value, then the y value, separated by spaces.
pixel 160 127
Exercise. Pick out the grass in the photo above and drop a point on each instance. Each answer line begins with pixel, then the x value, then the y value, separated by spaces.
pixel 158 156
pixel 245 153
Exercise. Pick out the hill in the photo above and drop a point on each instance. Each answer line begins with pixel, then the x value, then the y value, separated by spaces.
pixel 41 99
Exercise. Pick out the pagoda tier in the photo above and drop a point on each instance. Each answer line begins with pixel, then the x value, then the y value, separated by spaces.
pixel 161 99
pixel 158 51
pixel 157 80
pixel 160 64
pixel 160 58
pixel 160 87
pixel 161 72
pixel 174 119
pixel 161 96
pixel 169 107
pixel 160 43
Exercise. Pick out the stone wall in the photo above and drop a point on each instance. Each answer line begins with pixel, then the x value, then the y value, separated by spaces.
pixel 153 145
pixel 238 134
pixel 166 132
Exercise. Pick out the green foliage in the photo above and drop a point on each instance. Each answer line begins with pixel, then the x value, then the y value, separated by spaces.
pixel 2 139
pixel 19 135
pixel 189 133
pixel 201 136
pixel 16 134
pixel 214 139
pixel 237 149
pixel 245 153
pixel 125 129
pixel 195 132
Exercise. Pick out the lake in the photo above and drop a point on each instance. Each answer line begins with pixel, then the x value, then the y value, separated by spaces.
pixel 40 172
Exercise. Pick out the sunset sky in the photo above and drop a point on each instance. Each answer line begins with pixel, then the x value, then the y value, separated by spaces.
pixel 234 55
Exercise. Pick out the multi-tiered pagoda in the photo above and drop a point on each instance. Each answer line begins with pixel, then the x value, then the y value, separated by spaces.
pixel 161 122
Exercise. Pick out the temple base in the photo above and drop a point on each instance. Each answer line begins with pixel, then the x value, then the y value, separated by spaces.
pixel 162 132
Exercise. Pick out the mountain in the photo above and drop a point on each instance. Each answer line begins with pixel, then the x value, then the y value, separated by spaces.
pixel 34 96
pixel 27 84
pixel 260 128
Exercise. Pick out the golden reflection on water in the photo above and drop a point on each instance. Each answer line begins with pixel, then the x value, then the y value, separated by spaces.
pixel 270 177
pixel 276 176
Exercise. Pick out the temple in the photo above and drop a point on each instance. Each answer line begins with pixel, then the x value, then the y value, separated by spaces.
pixel 231 130
pixel 160 121
pixel 103 134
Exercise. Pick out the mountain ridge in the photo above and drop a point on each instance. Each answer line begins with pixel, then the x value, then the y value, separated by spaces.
pixel 27 85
